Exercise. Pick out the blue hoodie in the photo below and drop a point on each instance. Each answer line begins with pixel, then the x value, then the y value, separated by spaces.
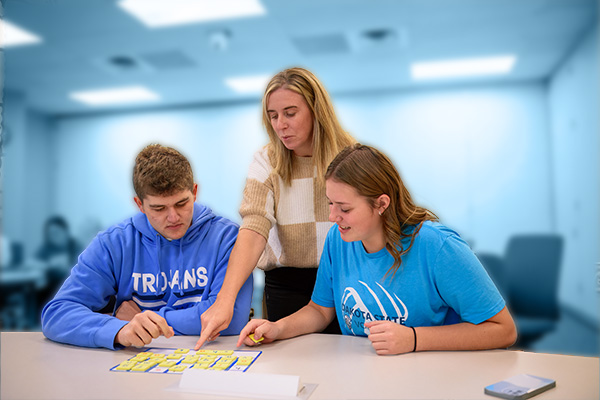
pixel 178 279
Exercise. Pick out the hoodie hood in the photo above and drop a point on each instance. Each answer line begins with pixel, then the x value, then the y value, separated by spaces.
pixel 195 234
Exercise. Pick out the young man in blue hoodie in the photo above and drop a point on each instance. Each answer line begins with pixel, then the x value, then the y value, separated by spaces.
pixel 165 265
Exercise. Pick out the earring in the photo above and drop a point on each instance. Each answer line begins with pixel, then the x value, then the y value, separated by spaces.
pixel 380 213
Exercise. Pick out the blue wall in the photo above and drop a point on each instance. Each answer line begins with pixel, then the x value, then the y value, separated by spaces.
pixel 476 156
pixel 28 185
pixel 575 127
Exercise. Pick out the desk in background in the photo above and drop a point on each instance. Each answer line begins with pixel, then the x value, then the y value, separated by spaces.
pixel 344 367
pixel 19 297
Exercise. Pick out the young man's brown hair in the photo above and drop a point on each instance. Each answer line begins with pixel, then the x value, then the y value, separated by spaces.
pixel 161 171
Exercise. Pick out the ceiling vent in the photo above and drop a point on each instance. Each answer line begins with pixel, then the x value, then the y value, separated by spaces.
pixel 145 63
pixel 319 45
pixel 124 63
pixel 379 35
pixel 121 64
pixel 168 60
pixel 381 39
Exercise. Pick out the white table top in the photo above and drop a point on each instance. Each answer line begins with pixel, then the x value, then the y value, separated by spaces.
pixel 344 367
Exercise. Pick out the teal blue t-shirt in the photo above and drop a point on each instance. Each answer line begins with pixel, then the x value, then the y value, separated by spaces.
pixel 440 282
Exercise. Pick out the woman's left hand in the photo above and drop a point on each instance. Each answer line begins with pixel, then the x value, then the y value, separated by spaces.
pixel 388 337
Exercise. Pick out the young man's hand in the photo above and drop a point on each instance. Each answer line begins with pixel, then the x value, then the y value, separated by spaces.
pixel 142 328
pixel 127 310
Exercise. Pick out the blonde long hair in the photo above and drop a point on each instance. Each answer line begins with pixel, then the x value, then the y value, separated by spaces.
pixel 328 136
pixel 373 174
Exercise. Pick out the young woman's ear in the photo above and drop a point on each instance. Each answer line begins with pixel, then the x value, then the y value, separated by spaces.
pixel 383 202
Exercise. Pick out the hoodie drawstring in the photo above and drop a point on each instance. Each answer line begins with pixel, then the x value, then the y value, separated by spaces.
pixel 158 276
pixel 180 268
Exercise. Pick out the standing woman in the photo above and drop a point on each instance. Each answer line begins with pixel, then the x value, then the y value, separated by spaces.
pixel 284 208
pixel 391 272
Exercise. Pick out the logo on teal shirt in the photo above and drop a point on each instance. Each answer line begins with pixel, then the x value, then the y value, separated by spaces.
pixel 378 305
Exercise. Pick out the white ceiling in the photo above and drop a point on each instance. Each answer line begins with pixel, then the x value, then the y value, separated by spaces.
pixel 333 38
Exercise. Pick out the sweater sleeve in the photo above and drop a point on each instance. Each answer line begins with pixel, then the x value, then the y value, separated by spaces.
pixel 187 321
pixel 70 317
pixel 258 209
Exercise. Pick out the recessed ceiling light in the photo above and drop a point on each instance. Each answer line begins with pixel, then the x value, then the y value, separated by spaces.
pixel 13 35
pixel 122 95
pixel 160 13
pixel 248 84
pixel 496 65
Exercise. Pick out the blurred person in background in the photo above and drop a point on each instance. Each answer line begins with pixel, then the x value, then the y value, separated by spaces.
pixel 57 254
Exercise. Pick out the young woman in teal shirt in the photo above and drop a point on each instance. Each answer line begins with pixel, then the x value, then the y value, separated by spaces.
pixel 390 271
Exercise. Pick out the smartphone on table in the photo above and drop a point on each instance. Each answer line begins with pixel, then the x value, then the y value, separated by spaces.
pixel 520 387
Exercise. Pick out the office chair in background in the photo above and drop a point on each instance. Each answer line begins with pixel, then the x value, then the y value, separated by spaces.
pixel 527 276
pixel 532 271
pixel 494 265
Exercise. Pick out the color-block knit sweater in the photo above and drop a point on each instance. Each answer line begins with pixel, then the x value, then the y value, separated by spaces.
pixel 293 219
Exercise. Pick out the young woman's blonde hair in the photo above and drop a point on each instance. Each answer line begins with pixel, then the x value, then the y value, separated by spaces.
pixel 372 174
pixel 328 136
